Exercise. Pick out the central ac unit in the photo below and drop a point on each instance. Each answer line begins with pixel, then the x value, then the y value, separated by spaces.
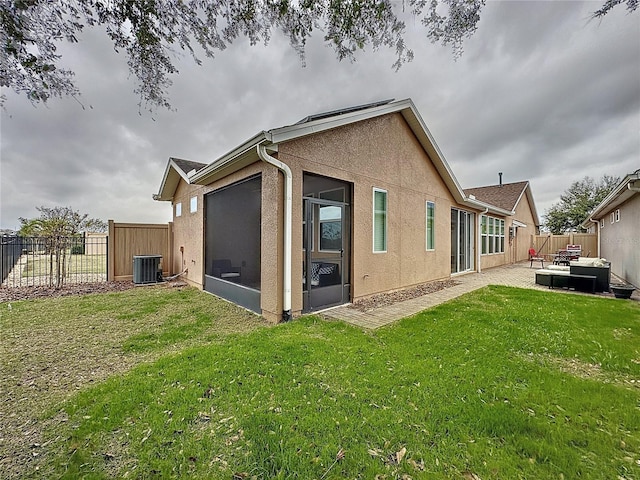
pixel 145 268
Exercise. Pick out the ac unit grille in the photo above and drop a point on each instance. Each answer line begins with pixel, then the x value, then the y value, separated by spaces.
pixel 145 268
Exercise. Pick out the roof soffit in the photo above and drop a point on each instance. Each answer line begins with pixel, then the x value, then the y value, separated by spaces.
pixel 617 197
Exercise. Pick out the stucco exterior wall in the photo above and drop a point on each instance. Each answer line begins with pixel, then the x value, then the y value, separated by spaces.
pixel 188 235
pixel 522 243
pixel 383 153
pixel 620 242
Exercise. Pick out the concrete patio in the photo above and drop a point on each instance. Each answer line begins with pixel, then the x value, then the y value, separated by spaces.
pixel 516 275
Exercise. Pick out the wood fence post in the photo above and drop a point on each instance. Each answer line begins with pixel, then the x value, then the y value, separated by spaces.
pixel 111 253
pixel 170 248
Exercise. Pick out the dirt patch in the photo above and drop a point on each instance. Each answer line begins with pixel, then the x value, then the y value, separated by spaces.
pixel 14 294
pixel 586 370
pixel 385 299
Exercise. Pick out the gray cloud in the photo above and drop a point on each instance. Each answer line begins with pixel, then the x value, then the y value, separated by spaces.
pixel 541 93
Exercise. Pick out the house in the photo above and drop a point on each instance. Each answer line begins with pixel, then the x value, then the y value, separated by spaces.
pixel 334 208
pixel 616 220
pixel 521 226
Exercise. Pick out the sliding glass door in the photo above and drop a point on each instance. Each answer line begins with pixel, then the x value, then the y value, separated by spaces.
pixel 462 240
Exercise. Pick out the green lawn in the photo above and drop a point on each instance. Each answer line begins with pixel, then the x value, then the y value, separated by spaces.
pixel 502 383
pixel 39 265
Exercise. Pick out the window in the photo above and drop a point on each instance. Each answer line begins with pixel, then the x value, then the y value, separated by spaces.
pixel 602 223
pixel 330 229
pixel 618 215
pixel 431 227
pixel 492 233
pixel 612 217
pixel 379 220
pixel 178 209
pixel 194 204
pixel 484 232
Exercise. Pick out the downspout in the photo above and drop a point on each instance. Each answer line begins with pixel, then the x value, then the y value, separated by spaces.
pixel 597 222
pixel 288 187
pixel 479 241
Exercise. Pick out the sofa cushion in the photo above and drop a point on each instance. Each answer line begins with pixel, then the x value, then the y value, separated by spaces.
pixel 589 262
pixel 546 271
pixel 564 268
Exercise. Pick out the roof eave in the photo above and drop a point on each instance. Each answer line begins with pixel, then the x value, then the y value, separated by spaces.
pixel 170 180
pixel 617 196
pixel 478 205
pixel 232 161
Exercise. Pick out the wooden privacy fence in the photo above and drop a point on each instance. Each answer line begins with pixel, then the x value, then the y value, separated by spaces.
pixel 588 241
pixel 129 239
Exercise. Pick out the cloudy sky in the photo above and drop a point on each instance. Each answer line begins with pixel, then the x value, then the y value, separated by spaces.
pixel 540 94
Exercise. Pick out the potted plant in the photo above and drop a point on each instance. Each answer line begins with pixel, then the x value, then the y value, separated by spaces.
pixel 620 290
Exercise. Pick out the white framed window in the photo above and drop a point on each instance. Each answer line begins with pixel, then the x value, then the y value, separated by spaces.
pixel 484 233
pixel 618 215
pixel 602 223
pixel 431 226
pixel 379 220
pixel 492 234
pixel 178 209
pixel 193 205
pixel 612 217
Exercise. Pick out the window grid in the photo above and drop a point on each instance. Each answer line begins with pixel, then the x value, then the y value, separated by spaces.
pixel 379 220
pixel 431 230
pixel 492 233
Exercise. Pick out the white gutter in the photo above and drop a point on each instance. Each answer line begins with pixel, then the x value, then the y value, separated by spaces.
pixel 288 187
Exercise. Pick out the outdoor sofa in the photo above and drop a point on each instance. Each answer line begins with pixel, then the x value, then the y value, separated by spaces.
pixel 578 274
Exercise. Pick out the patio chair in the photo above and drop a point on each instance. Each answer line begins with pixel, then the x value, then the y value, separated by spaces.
pixel 563 257
pixel 535 257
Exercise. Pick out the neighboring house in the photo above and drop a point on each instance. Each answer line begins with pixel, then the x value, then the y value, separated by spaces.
pixel 616 220
pixel 520 228
pixel 332 209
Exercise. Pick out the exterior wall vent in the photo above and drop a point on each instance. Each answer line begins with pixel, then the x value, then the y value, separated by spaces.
pixel 145 268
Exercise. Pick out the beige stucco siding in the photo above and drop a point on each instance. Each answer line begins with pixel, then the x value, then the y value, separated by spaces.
pixel 620 241
pixel 523 242
pixel 188 235
pixel 381 153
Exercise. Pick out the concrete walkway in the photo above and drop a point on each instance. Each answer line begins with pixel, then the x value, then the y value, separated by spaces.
pixel 517 275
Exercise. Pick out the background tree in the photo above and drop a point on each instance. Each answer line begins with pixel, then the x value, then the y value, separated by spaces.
pixel 149 32
pixel 577 202
pixel 58 231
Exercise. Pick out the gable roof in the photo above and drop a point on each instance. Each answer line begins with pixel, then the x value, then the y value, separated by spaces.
pixel 627 188
pixel 176 168
pixel 506 196
pixel 246 153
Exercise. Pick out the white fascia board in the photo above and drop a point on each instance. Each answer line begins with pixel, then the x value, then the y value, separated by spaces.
pixel 412 117
pixel 616 197
pixel 170 180
pixel 532 204
pixel 284 134
pixel 422 133
pixel 201 177
pixel 478 205
pixel 519 224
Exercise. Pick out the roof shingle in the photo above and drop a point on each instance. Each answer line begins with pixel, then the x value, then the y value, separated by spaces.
pixel 503 196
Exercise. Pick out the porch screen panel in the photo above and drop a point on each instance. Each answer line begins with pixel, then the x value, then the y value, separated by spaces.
pixel 232 228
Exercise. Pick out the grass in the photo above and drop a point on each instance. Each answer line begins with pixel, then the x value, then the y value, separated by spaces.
pixel 501 383
pixel 75 264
